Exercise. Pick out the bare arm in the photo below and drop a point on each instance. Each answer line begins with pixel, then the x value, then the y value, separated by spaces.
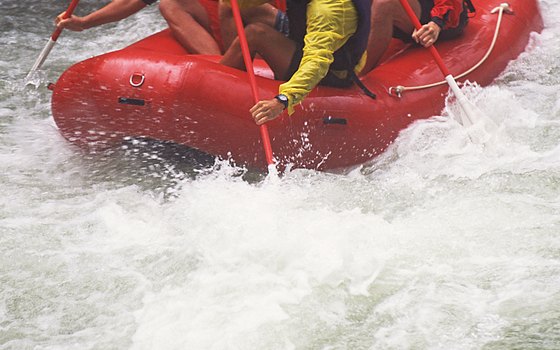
pixel 112 12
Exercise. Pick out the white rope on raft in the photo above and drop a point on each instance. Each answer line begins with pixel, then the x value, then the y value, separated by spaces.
pixel 504 7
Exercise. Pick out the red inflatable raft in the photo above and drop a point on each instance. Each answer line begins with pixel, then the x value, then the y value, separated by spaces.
pixel 154 89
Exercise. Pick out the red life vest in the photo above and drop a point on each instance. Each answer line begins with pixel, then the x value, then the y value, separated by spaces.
pixel 446 12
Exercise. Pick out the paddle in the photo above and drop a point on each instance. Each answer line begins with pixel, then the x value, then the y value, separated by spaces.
pixel 470 116
pixel 249 66
pixel 52 40
pixel 281 5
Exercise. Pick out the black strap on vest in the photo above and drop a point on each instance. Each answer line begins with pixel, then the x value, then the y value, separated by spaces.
pixel 355 78
pixel 361 85
pixel 470 6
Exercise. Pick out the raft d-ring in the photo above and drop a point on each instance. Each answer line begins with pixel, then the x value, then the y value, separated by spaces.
pixel 505 7
pixel 137 79
pixel 396 91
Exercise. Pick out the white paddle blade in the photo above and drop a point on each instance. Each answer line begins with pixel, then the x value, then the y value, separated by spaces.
pixel 41 59
pixel 479 125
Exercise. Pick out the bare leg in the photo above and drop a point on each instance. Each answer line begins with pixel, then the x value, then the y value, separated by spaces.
pixel 261 14
pixel 190 25
pixel 274 47
pixel 386 14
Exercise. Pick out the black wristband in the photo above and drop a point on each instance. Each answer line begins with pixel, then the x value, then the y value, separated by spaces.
pixel 283 100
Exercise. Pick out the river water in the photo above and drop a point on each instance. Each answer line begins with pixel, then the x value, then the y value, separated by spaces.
pixel 439 244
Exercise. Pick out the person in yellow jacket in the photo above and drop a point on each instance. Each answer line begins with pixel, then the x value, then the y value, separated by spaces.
pixel 326 44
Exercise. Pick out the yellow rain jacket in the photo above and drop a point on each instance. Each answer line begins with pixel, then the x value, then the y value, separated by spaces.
pixel 330 23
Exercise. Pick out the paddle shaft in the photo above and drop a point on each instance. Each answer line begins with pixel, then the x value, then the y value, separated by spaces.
pixel 281 5
pixel 416 22
pixel 470 114
pixel 252 80
pixel 52 40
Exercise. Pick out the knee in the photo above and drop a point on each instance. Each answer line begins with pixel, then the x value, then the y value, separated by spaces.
pixel 255 31
pixel 166 7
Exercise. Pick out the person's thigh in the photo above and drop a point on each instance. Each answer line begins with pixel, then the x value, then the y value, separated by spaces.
pixel 275 48
pixel 400 17
pixel 402 25
pixel 196 9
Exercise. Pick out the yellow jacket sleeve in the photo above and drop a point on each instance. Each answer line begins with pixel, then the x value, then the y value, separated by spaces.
pixel 330 23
